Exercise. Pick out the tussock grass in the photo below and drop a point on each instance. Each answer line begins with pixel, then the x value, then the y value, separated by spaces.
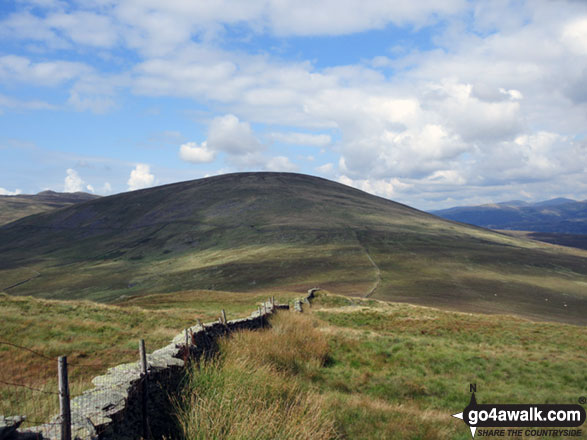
pixel 94 337
pixel 293 346
pixel 398 371
pixel 254 390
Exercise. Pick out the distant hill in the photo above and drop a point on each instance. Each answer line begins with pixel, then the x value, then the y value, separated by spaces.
pixel 578 241
pixel 14 207
pixel 559 216
pixel 271 232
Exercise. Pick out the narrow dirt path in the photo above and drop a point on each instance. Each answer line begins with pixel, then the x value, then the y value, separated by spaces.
pixel 21 282
pixel 378 274
pixel 377 270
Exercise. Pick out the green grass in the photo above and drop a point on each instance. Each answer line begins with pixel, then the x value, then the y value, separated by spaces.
pixel 390 371
pixel 94 337
pixel 396 364
pixel 356 368
pixel 256 389
pixel 280 231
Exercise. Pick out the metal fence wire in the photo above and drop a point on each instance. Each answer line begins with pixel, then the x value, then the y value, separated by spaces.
pixel 38 396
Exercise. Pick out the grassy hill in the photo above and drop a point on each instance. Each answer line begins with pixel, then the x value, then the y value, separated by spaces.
pixel 366 369
pixel 260 231
pixel 14 207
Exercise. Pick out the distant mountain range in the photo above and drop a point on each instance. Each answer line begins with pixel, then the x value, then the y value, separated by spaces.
pixel 14 207
pixel 559 216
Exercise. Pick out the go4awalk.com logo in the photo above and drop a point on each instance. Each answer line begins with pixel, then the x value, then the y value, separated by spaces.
pixel 533 420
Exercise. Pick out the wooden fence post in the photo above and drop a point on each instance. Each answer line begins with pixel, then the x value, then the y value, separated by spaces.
pixel 64 399
pixel 144 378
pixel 224 317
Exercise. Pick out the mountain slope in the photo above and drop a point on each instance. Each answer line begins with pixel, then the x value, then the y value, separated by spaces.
pixel 14 207
pixel 559 215
pixel 264 231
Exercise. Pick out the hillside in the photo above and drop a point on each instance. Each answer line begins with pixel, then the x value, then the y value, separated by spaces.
pixel 373 370
pixel 14 207
pixel 259 231
pixel 560 215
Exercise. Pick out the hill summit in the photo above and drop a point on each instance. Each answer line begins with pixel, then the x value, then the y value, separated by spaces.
pixel 268 231
pixel 22 205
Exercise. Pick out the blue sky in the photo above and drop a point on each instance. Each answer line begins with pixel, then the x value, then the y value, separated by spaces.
pixel 429 103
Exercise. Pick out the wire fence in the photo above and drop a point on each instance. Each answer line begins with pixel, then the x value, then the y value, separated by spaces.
pixel 60 398
pixel 36 403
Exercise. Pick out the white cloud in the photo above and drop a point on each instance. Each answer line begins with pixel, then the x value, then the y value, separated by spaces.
pixel 228 134
pixel 106 188
pixel 452 177
pixel 73 181
pixel 17 104
pixel 15 68
pixel 84 27
pixel 5 192
pixel 483 107
pixel 140 177
pixel 380 187
pixel 326 169
pixel 96 104
pixel 294 138
pixel 191 152
pixel 90 188
pixel 281 163
pixel 575 35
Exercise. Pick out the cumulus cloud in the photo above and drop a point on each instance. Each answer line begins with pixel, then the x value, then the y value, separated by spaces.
pixel 228 134
pixel 106 188
pixel 160 27
pixel 326 169
pixel 482 107
pixel 140 177
pixel 16 68
pixel 295 138
pixel 192 152
pixel 575 35
pixel 380 187
pixel 5 192
pixel 18 104
pixel 73 181
pixel 281 163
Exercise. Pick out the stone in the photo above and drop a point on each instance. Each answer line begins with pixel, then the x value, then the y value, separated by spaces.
pixel 9 425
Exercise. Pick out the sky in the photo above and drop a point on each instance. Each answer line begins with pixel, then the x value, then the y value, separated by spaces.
pixel 430 103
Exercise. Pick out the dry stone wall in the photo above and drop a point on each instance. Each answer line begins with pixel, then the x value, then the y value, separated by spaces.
pixel 113 409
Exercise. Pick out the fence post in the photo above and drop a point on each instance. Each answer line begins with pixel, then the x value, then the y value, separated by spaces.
pixel 144 377
pixel 187 339
pixel 64 398
pixel 200 323
pixel 224 317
